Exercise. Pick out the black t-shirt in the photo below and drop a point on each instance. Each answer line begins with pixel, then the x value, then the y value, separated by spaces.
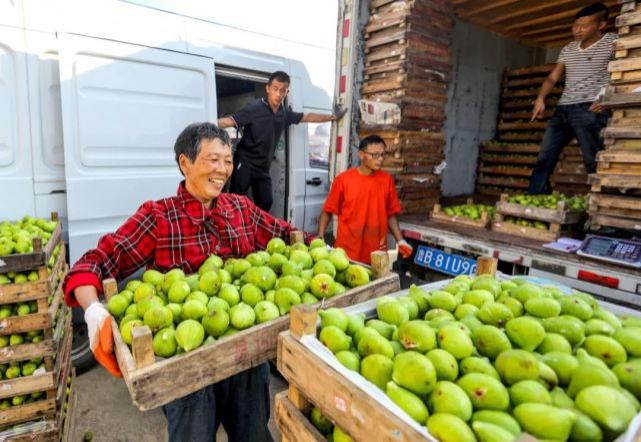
pixel 262 128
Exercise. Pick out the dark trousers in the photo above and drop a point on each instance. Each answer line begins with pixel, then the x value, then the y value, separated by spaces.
pixel 240 403
pixel 569 121
pixel 260 181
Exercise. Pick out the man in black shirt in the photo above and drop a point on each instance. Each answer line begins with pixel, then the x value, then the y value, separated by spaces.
pixel 262 123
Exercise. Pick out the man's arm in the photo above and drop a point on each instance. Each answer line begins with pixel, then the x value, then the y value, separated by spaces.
pixel 394 228
pixel 226 122
pixel 318 118
pixel 546 88
pixel 323 221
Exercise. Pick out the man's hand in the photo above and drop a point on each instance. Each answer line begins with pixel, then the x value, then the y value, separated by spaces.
pixel 339 112
pixel 539 109
pixel 597 107
pixel 101 339
pixel 404 249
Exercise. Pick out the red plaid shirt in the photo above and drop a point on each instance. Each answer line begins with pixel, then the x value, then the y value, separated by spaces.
pixel 176 232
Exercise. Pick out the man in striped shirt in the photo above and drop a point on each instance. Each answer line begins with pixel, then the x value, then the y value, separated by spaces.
pixel 578 114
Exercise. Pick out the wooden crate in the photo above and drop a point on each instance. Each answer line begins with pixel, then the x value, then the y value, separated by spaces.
pixel 48 382
pixel 619 162
pixel 53 430
pixel 294 426
pixel 439 215
pixel 346 404
pixel 501 181
pixel 615 211
pixel 560 215
pixel 32 261
pixel 622 183
pixel 553 232
pixel 154 383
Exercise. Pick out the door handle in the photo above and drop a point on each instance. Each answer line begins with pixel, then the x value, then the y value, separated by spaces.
pixel 316 181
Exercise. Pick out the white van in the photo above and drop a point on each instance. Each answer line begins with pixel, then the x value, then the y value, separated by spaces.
pixel 94 93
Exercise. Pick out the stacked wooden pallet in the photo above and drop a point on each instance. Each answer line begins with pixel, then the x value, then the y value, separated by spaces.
pixel 615 200
pixel 505 164
pixel 36 337
pixel 407 66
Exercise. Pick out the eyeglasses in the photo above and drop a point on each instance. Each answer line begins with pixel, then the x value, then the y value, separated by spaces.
pixel 375 156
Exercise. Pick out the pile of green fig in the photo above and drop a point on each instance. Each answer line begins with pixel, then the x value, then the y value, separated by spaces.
pixel 224 297
pixel 484 359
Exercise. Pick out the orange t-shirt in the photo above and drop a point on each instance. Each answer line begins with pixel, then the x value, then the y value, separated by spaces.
pixel 363 203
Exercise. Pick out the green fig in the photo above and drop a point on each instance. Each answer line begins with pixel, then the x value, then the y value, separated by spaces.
pixel 587 375
pixel 490 341
pixel 334 316
pixel 553 342
pixel 473 364
pixel 408 401
pixel 449 428
pixel 527 333
pixel 375 344
pixel 417 335
pixel 517 365
pixel 605 348
pixel 545 421
pixel 529 391
pixel 447 397
pixel 415 372
pixel 607 406
pixel 456 341
pixel 486 432
pixel 498 418
pixel 585 429
pixel 335 339
pixel 630 339
pixel 444 363
pixel 377 369
pixel 542 307
pixel 485 392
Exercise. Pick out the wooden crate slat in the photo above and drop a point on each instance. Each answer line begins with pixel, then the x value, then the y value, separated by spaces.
pixel 514 148
pixel 621 182
pixel 166 380
pixel 599 220
pixel 294 425
pixel 506 170
pixel 26 385
pixel 22 324
pixel 528 232
pixel 27 412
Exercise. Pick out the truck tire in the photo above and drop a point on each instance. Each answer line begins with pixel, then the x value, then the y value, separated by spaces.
pixel 81 355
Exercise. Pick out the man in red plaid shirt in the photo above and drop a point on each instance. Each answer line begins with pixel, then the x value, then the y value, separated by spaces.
pixel 181 232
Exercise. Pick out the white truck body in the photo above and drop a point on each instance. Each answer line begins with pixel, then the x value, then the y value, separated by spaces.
pixel 94 93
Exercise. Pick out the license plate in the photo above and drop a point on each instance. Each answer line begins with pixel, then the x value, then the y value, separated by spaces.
pixel 448 263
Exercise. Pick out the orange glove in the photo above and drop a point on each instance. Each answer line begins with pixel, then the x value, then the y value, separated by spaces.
pixel 404 249
pixel 101 339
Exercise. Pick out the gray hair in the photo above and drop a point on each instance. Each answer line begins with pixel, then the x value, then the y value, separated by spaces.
pixel 189 140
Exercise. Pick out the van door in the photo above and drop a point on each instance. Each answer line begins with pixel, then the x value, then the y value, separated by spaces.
pixel 16 172
pixel 46 125
pixel 123 106
pixel 316 170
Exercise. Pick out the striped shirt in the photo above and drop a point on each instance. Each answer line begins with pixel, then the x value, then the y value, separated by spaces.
pixel 586 70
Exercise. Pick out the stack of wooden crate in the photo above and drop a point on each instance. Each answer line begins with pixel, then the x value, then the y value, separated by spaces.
pixel 35 405
pixel 615 200
pixel 408 65
pixel 505 164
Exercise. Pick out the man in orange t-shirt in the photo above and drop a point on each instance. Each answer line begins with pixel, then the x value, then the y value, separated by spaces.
pixel 366 203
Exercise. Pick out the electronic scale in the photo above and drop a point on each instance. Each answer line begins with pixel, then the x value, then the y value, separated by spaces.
pixel 618 251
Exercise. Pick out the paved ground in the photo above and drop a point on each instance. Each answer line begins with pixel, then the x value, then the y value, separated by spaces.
pixel 104 408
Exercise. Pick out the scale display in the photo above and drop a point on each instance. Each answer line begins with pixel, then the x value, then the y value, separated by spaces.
pixel 619 251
